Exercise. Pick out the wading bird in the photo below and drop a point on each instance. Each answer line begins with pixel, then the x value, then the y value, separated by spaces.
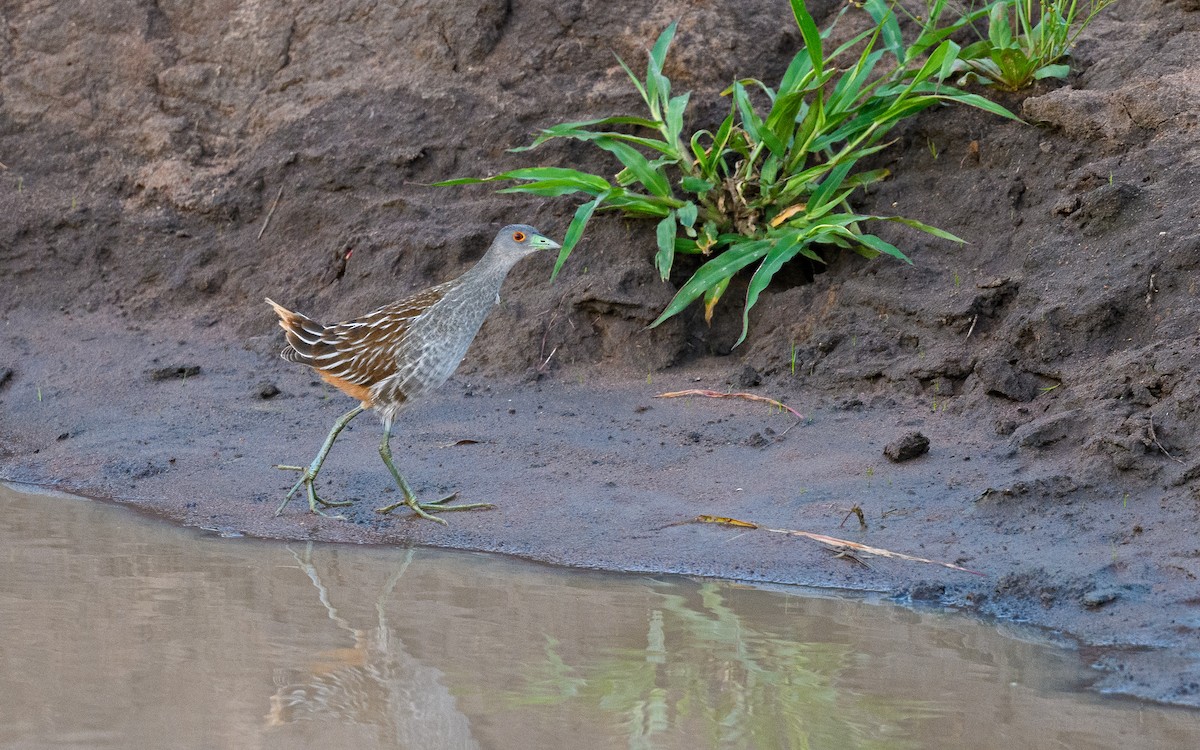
pixel 389 357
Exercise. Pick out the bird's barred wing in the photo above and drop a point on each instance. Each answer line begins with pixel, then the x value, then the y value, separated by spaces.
pixel 359 352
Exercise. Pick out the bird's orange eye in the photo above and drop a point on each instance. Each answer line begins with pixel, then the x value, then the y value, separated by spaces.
pixel 518 236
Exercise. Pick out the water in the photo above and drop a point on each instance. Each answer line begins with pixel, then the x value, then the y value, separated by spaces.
pixel 117 631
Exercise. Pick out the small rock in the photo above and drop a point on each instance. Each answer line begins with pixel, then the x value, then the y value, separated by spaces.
pixel 907 447
pixel 266 389
pixel 173 372
pixel 1099 597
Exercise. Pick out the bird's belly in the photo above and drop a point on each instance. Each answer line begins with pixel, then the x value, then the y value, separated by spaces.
pixel 426 371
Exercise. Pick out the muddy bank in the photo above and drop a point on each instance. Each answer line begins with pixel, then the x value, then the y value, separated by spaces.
pixel 1051 363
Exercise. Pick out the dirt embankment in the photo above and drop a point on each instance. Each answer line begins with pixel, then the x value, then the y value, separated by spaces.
pixel 1051 362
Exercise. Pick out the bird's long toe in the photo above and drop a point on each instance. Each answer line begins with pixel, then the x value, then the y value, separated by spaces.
pixel 440 506
pixel 307 480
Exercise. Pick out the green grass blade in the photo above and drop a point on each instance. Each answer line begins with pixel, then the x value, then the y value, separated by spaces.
pixel 467 181
pixel 798 71
pixel 868 178
pixel 637 84
pixel 921 226
pixel 665 257
pixel 688 215
pixel 810 33
pixel 722 267
pixel 658 86
pixel 881 246
pixel 575 232
pixel 999 32
pixel 639 166
pixel 544 188
pixel 782 250
pixel 636 204
pixel 781 120
pixel 1052 71
pixel 828 186
pixel 675 109
pixel 889 28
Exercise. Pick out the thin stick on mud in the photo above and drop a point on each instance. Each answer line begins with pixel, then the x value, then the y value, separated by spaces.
pixel 717 394
pixel 1154 437
pixel 270 213
pixel 839 545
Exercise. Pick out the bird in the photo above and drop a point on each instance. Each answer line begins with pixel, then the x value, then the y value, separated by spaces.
pixel 400 352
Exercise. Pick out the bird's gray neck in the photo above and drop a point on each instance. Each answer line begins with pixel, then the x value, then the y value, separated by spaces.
pixel 488 275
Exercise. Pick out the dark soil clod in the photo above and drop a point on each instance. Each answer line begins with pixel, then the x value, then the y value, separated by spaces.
pixel 174 372
pixel 907 447
pixel 266 389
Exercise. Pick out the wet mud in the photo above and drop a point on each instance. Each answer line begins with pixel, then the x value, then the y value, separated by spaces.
pixel 166 168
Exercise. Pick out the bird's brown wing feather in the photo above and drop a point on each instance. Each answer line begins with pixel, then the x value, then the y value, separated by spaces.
pixel 354 355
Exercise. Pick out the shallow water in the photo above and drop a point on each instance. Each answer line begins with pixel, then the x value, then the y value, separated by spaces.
pixel 117 631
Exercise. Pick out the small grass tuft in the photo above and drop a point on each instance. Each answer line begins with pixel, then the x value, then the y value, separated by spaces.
pixel 1026 41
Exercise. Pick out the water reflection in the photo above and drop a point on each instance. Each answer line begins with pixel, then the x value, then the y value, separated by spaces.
pixel 372 683
pixel 120 632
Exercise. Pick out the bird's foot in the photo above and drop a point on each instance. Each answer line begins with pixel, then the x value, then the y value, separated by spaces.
pixel 307 477
pixel 422 509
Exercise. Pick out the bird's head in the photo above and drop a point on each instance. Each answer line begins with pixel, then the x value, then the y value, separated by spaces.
pixel 519 240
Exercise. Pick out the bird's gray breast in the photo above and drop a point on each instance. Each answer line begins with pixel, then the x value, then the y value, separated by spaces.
pixel 438 340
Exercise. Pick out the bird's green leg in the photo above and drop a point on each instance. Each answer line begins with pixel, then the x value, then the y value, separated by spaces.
pixel 410 498
pixel 308 474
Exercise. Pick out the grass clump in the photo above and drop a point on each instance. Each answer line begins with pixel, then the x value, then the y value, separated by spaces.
pixel 1026 41
pixel 772 181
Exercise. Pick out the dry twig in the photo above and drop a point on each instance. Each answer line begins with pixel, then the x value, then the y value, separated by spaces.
pixel 1154 437
pixel 845 548
pixel 855 510
pixel 717 394
pixel 270 213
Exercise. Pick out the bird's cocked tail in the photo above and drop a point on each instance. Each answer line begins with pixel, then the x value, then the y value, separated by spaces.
pixel 303 335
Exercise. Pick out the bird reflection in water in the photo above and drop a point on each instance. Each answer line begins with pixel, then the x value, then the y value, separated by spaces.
pixel 374 683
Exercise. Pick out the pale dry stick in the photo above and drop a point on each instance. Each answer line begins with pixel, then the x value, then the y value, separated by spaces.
pixel 270 213
pixel 1154 437
pixel 3 165
pixel 717 394
pixel 974 320
pixel 833 542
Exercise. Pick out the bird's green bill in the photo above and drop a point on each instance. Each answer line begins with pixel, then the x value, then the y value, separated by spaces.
pixel 543 243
